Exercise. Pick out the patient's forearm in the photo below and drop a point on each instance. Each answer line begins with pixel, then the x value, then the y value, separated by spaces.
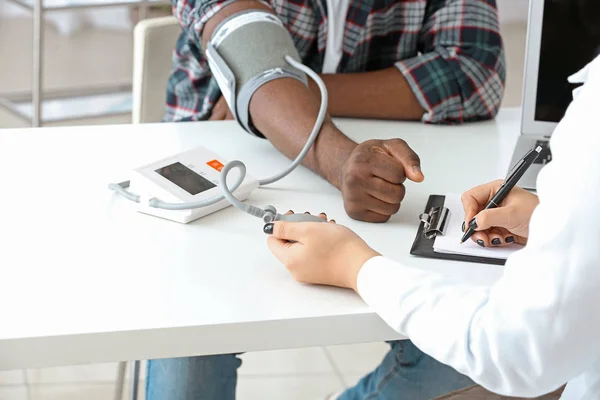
pixel 285 112
pixel 383 94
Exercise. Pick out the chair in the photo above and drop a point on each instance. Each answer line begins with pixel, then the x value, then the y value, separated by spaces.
pixel 154 42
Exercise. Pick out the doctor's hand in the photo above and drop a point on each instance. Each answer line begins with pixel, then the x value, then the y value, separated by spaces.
pixel 500 226
pixel 372 179
pixel 322 253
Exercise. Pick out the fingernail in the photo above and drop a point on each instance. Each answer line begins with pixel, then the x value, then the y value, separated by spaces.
pixel 290 211
pixel 306 212
pixel 510 239
pixel 268 228
pixel 417 170
pixel 496 242
pixel 473 223
pixel 480 242
pixel 463 226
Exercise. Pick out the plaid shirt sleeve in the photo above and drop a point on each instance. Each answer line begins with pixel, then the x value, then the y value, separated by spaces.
pixel 460 74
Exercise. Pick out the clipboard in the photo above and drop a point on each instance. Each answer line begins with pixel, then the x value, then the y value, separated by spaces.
pixel 434 221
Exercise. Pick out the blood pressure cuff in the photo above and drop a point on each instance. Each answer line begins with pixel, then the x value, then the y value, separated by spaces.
pixel 246 51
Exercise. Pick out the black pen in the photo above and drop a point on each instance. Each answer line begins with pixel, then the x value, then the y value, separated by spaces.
pixel 509 183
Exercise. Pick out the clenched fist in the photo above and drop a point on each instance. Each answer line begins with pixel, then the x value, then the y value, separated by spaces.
pixel 373 178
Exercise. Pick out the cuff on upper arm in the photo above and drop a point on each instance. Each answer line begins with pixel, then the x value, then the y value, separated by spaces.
pixel 202 13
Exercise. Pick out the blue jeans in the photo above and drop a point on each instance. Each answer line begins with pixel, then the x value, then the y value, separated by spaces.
pixel 406 373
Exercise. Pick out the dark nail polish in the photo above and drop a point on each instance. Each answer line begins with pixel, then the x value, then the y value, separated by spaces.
pixel 268 228
pixel 480 242
pixel 510 239
pixel 473 224
pixel 463 226
pixel 496 242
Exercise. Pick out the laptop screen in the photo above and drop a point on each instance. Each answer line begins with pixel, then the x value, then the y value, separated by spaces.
pixel 570 40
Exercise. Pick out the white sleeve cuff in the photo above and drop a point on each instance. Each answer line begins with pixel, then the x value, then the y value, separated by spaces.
pixel 368 275
pixel 383 284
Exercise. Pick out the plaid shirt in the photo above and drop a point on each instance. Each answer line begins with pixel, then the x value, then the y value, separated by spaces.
pixel 450 52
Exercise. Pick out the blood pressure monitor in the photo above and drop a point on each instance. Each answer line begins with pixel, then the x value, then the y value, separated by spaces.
pixel 195 183
pixel 186 177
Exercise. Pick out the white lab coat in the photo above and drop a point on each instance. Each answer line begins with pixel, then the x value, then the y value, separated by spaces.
pixel 539 325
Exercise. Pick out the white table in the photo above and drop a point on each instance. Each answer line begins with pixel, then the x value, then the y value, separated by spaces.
pixel 84 279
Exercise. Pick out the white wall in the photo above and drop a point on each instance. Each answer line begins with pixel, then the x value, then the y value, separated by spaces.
pixel 114 18
pixel 510 11
pixel 10 10
pixel 513 10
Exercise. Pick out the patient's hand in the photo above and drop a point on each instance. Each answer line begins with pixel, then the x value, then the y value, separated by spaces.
pixel 373 176
pixel 500 226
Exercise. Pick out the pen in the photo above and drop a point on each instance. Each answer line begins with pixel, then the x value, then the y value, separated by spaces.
pixel 509 183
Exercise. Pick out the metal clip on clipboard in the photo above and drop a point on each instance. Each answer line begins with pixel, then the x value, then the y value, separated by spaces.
pixel 435 221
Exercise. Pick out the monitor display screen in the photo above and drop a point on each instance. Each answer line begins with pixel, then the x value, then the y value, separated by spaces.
pixel 570 40
pixel 185 178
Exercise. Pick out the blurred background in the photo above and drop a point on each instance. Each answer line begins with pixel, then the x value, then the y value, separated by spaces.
pixel 88 52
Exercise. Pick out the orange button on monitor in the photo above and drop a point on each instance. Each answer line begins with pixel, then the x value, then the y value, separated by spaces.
pixel 216 164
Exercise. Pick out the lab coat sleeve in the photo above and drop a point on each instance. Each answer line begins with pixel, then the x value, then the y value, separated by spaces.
pixel 538 326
